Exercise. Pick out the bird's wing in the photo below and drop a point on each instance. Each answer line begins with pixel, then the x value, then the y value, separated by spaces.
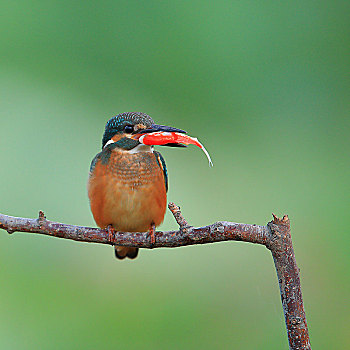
pixel 94 161
pixel 162 165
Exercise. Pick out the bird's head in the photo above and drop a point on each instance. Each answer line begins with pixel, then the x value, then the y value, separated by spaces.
pixel 137 132
pixel 131 126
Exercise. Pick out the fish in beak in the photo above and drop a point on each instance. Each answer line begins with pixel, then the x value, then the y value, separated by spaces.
pixel 161 135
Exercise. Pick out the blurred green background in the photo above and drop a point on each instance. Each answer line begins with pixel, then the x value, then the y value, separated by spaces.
pixel 263 84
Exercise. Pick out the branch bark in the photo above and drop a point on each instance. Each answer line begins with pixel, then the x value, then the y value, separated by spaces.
pixel 275 236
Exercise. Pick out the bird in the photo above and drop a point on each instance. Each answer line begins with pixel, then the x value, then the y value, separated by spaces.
pixel 128 179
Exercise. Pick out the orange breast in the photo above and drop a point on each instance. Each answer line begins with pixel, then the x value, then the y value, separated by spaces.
pixel 127 191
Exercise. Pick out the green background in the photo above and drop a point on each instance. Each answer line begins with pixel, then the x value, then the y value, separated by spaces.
pixel 263 84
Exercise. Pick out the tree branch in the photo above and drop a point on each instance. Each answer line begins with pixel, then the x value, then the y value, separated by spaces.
pixel 287 270
pixel 275 236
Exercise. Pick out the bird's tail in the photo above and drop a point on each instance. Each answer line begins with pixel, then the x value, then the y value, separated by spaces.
pixel 126 252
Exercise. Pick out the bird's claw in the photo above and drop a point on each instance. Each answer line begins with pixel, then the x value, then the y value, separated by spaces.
pixel 152 233
pixel 111 233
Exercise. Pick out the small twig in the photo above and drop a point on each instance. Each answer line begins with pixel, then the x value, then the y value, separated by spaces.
pixel 275 236
pixel 41 218
pixel 181 221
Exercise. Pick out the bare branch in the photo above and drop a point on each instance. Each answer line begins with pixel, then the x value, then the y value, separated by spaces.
pixel 275 236
pixel 281 247
pixel 187 235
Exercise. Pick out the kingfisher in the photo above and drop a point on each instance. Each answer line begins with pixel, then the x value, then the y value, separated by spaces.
pixel 128 179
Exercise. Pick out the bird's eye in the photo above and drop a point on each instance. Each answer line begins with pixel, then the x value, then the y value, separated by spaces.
pixel 128 129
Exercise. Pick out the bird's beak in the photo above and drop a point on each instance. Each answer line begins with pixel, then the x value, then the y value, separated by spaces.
pixel 162 128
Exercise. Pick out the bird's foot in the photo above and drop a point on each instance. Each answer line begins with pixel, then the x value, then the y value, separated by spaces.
pixel 111 233
pixel 152 233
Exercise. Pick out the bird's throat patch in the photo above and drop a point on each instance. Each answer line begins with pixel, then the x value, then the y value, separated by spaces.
pixel 124 143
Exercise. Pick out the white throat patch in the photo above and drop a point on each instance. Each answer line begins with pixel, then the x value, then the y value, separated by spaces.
pixel 108 143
